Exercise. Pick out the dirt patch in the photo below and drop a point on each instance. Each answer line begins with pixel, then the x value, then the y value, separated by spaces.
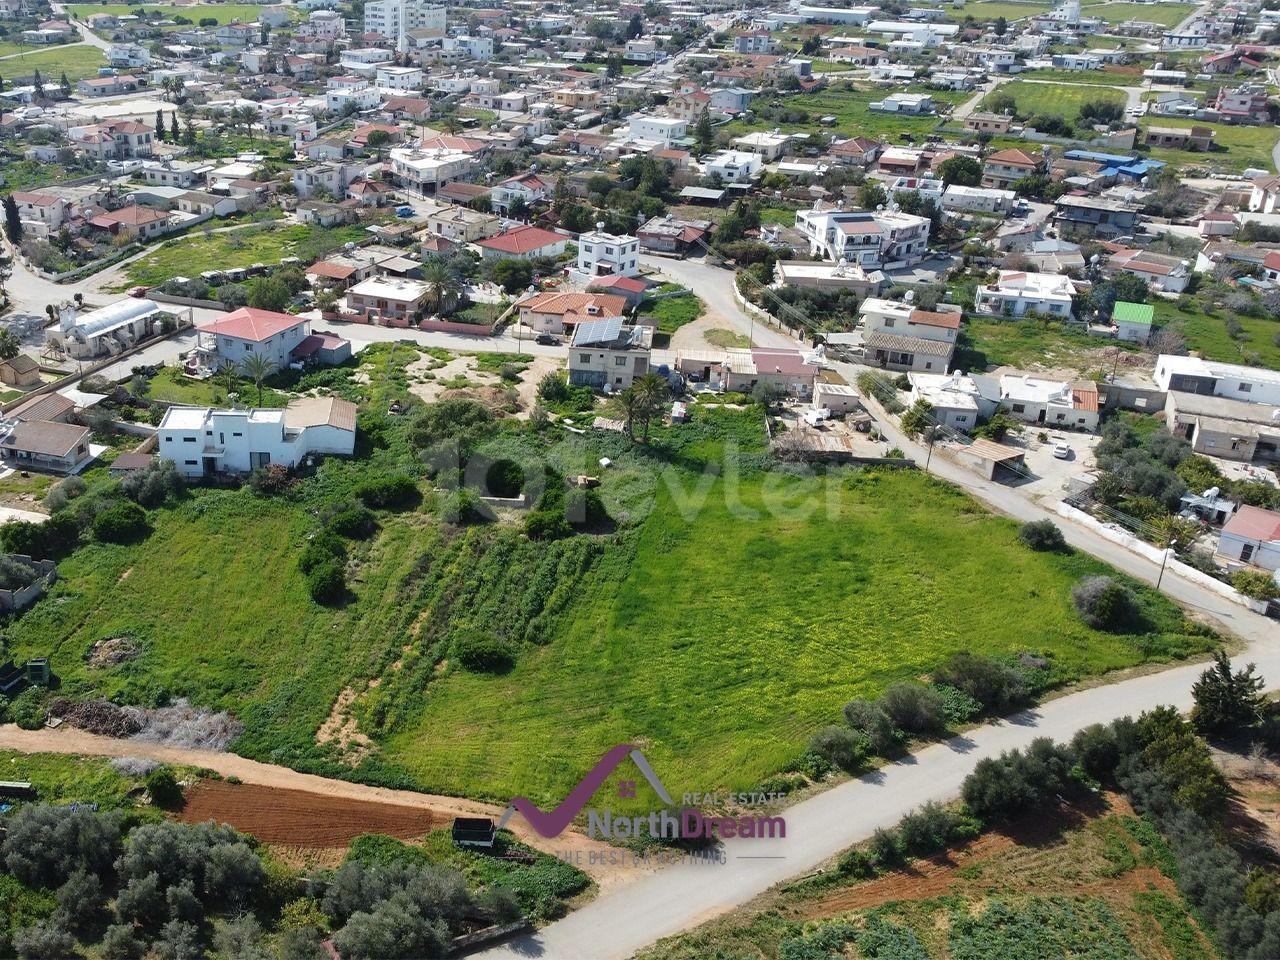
pixel 340 727
pixel 113 650
pixel 294 818
pixel 529 380
pixel 495 398
pixel 1254 812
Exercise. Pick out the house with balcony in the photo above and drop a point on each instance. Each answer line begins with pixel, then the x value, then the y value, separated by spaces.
pixel 733 166
pixel 1017 293
pixel 529 188
pixel 1004 168
pixel 603 254
pixel 875 239
pixel 901 336
pixel 395 300
pixel 555 312
pixel 231 338
pixel 1099 215
pixel 1246 104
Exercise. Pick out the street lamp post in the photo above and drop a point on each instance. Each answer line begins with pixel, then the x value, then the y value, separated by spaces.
pixel 1164 558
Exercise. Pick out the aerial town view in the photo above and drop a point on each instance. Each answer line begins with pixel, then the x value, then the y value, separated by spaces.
pixel 640 480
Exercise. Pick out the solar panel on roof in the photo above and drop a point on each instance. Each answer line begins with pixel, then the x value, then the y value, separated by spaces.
pixel 598 331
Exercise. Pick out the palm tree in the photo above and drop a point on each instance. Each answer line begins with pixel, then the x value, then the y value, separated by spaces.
pixel 651 390
pixel 444 289
pixel 257 367
pixel 230 377
pixel 629 406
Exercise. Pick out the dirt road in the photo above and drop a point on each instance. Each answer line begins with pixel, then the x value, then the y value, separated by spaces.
pixel 442 809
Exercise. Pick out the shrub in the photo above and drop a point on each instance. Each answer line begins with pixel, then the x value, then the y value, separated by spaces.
pixel 163 788
pixel 914 707
pixel 1256 584
pixel 463 506
pixel 44 941
pixel 483 654
pixel 323 548
pixel 384 492
pixel 1097 751
pixel 957 706
pixel 869 719
pixel 154 485
pixel 27 709
pixel 121 523
pixel 63 492
pixel 553 388
pixel 1227 703
pixel 54 538
pixel 355 523
pixel 327 582
pixel 1002 787
pixel 271 480
pixel 509 372
pixel 995 685
pixel 1104 604
pixel 933 826
pixel 841 747
pixel 14 574
pixel 1042 535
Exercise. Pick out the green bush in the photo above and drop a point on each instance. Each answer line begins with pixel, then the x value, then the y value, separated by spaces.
pixel 1104 604
pixel 1042 535
pixel 483 654
pixel 327 582
pixel 163 788
pixel 27 709
pixel 995 685
pixel 323 548
pixel 869 718
pixel 355 523
pixel 914 707
pixel 1256 584
pixel 463 507
pixel 841 747
pixel 386 492
pixel 123 522
pixel 957 705
pixel 553 388
pixel 49 540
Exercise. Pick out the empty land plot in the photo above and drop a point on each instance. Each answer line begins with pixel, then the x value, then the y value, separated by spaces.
pixel 77 61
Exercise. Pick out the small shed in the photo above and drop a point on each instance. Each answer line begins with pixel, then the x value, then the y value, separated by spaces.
pixel 474 832
pixel 991 460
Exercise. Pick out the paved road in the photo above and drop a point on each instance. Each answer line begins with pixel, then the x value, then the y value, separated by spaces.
pixel 715 286
pixel 680 897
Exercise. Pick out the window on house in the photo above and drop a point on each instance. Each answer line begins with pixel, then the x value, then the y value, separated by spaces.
pixel 1246 388
pixel 584 358
pixel 1019 408
pixel 619 361
pixel 188 439
pixel 191 463
pixel 962 419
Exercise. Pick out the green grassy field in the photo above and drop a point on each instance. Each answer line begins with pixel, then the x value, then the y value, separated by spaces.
pixel 853 117
pixel 1051 99
pixel 1095 78
pixel 1245 146
pixel 67 779
pixel 1256 343
pixel 1166 14
pixel 1030 344
pixel 672 313
pixel 731 640
pixel 222 12
pixel 8 47
pixel 169 384
pixel 240 248
pixel 77 62
pixel 990 9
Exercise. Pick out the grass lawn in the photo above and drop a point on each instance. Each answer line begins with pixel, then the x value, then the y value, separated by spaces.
pixel 240 248
pixel 1051 99
pixel 1256 344
pixel 1245 146
pixel 672 313
pixel 1032 343
pixel 990 9
pixel 1166 14
pixel 8 46
pixel 733 637
pixel 853 117
pixel 1102 77
pixel 222 12
pixel 76 61
pixel 67 779
pixel 170 384
pixel 726 338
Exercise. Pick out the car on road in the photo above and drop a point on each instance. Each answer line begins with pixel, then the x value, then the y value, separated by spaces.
pixel 547 340
pixel 1062 451
pixel 138 291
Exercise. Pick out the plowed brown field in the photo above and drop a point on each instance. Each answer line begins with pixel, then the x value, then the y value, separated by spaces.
pixel 300 819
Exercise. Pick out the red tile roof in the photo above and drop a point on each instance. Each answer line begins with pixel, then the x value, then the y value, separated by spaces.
pixel 1254 523
pixel 524 239
pixel 248 323
pixel 1011 158
pixel 929 318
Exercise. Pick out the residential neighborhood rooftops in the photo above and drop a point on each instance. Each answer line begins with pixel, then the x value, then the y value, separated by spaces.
pixel 523 239
pixel 45 437
pixel 48 406
pixel 320 411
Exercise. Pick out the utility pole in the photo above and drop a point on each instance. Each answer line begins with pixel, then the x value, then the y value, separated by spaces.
pixel 1164 558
